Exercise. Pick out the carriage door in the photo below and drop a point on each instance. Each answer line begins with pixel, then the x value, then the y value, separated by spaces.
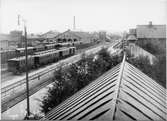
pixel 60 54
pixel 70 51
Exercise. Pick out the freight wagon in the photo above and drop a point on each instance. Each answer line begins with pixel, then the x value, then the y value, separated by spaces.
pixel 17 65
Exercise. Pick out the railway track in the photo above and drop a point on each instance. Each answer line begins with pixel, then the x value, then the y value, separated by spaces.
pixel 22 95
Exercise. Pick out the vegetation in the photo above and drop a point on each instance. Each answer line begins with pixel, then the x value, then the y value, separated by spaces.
pixel 156 71
pixel 153 48
pixel 70 80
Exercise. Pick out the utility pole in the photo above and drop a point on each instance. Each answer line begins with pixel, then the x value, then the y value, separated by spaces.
pixel 26 66
pixel 27 82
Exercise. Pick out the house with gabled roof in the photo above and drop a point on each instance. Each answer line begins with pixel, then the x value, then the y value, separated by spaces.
pixel 155 34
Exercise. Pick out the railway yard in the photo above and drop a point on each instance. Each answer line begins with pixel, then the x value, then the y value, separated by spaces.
pixel 13 88
pixel 83 60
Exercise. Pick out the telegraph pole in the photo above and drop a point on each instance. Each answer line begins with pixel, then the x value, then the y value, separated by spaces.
pixel 26 66
pixel 27 82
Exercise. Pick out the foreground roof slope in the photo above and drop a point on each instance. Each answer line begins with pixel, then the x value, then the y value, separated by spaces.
pixel 122 93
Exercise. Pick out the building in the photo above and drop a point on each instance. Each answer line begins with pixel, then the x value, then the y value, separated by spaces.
pixel 67 36
pixel 102 35
pixel 155 34
pixel 131 39
pixel 74 36
pixel 4 44
pixel 50 34
pixel 10 41
pixel 132 31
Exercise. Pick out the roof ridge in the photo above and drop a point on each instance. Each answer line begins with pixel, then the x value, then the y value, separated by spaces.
pixel 119 80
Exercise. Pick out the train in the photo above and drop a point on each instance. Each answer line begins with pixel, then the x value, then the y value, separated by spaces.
pixel 18 52
pixel 39 59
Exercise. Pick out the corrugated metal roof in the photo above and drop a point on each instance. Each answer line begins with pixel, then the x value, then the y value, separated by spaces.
pixel 123 93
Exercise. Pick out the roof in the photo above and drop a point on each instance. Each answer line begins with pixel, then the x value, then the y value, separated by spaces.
pixel 20 58
pixel 43 52
pixel 151 31
pixel 50 34
pixel 8 37
pixel 78 34
pixel 20 49
pixel 83 34
pixel 33 36
pixel 68 32
pixel 122 93
pixel 50 45
pixel 131 37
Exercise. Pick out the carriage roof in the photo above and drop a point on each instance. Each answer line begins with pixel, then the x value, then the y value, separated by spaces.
pixel 46 51
pixel 51 45
pixel 20 49
pixel 20 58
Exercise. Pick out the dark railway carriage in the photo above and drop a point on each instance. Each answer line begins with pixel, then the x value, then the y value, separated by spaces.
pixel 45 58
pixel 65 52
pixel 73 49
pixel 51 46
pixel 17 65
pixel 46 51
pixel 65 44
pixel 21 51
pixel 39 48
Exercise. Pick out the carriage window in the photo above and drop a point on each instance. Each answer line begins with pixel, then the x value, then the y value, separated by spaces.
pixel 64 40
pixel 75 40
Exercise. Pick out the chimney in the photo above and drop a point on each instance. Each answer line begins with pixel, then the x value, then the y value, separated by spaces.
pixel 150 23
pixel 74 24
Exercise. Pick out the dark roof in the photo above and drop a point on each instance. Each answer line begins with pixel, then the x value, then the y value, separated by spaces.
pixel 151 31
pixel 123 93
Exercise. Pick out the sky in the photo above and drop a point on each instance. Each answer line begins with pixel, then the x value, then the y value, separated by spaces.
pixel 90 15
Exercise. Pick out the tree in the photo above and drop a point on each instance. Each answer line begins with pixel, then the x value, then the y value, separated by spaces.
pixel 73 78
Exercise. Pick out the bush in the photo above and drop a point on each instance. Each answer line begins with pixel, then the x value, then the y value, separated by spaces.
pixel 70 80
pixel 153 49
